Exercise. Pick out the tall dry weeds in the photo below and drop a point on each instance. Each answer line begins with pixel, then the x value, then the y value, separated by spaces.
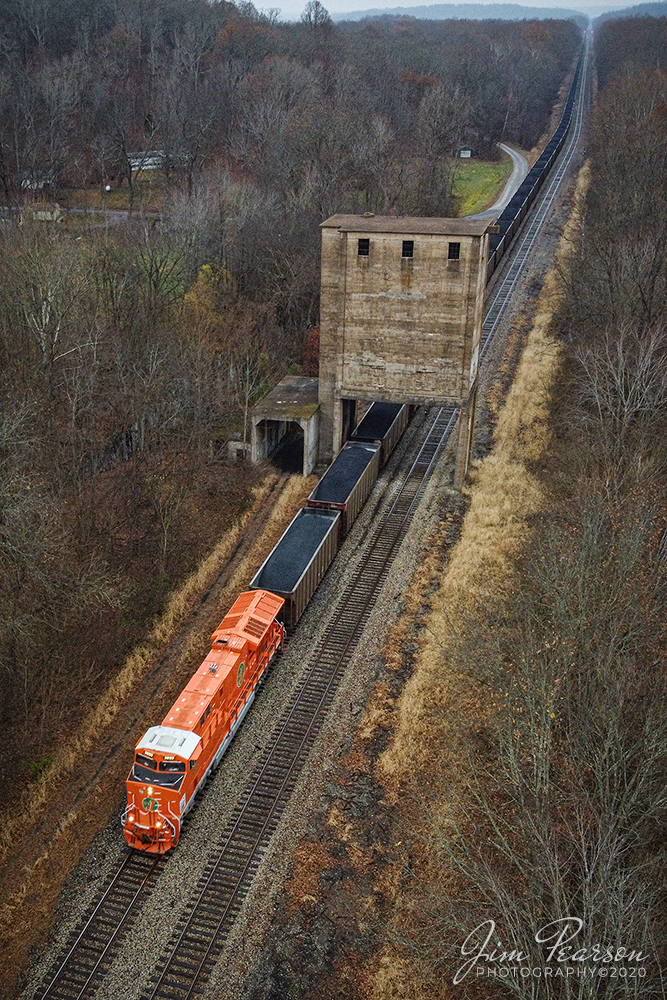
pixel 15 823
pixel 505 494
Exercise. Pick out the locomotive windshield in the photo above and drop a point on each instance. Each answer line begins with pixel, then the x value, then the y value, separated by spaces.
pixel 163 778
pixel 147 761
pixel 172 765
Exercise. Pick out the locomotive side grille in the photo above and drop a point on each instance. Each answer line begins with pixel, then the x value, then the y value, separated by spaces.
pixel 255 627
pixel 231 621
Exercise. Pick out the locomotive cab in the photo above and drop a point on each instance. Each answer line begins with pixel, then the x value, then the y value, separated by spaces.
pixel 157 788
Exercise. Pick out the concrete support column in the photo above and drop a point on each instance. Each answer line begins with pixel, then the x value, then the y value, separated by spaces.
pixel 311 435
pixel 331 444
pixel 466 437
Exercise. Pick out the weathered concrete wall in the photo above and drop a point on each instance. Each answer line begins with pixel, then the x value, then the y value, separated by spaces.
pixel 292 401
pixel 395 328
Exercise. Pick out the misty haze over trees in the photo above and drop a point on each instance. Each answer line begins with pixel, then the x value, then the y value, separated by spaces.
pixel 130 348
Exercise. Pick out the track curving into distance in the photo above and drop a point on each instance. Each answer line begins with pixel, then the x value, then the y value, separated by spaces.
pixel 200 937
pixel 524 243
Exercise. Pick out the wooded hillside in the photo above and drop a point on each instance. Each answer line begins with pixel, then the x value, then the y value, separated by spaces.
pixel 131 346
pixel 530 754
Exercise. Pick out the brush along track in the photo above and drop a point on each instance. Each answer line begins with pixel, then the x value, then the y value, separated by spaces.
pixel 94 790
pixel 522 247
pixel 92 947
pixel 198 943
pixel 74 792
pixel 220 894
pixel 254 821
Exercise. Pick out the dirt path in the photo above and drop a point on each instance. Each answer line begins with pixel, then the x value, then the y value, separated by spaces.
pixel 33 874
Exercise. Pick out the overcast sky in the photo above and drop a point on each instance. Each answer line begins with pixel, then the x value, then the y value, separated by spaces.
pixel 290 10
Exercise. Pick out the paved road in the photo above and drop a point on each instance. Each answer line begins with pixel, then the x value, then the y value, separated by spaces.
pixel 519 171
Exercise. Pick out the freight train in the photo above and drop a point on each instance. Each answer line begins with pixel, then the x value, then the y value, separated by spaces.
pixel 172 760
pixel 515 212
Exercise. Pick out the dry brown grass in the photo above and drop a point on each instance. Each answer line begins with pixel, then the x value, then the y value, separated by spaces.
pixel 33 890
pixel 396 979
pixel 15 824
pixel 505 495
pixel 304 890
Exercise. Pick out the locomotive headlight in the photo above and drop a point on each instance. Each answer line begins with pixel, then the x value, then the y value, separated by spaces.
pixel 158 825
pixel 130 818
pixel 149 790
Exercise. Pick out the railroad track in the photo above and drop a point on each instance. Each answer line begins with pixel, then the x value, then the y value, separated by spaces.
pixel 228 876
pixel 191 954
pixel 523 245
pixel 96 941
pixel 199 939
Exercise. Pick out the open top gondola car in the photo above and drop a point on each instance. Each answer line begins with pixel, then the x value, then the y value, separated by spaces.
pixel 172 760
pixel 348 481
pixel 383 422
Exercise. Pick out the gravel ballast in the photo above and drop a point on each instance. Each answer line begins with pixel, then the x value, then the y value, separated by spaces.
pixel 130 972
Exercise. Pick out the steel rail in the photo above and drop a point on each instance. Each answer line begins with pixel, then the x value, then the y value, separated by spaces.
pixel 272 782
pixel 96 938
pixel 495 310
pixel 222 890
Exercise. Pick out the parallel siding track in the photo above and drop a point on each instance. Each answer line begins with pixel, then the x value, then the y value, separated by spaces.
pixel 222 888
pixel 504 289
pixel 199 939
pixel 221 891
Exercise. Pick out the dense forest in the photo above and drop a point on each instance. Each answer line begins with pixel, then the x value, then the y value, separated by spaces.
pixel 132 344
pixel 620 51
pixel 315 115
pixel 559 809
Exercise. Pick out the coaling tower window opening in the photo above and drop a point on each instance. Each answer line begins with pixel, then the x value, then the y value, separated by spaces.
pixel 408 248
pixel 454 252
pixel 364 248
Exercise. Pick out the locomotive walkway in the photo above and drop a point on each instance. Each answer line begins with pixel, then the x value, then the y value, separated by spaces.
pixel 199 939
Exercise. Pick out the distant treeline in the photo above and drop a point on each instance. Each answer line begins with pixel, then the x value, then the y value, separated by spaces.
pixel 640 10
pixel 131 348
pixel 308 109
pixel 468 12
pixel 629 44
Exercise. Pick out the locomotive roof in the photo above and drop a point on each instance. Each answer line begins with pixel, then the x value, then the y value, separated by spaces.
pixel 241 629
pixel 191 703
pixel 249 618
pixel 167 739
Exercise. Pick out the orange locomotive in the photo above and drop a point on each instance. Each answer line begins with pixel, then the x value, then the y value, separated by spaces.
pixel 172 760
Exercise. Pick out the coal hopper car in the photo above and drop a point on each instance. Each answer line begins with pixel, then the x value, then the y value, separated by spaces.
pixel 383 422
pixel 348 481
pixel 296 565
